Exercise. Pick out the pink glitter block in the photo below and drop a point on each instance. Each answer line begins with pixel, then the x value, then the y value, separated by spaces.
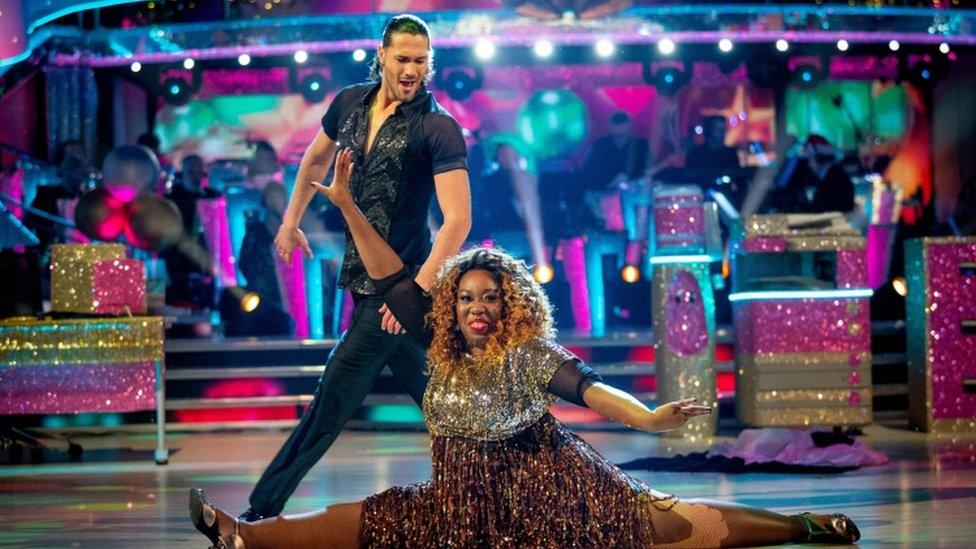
pixel 851 272
pixel 574 267
pixel 687 332
pixel 951 297
pixel 802 326
pixel 291 279
pixel 879 241
pixel 760 244
pixel 74 388
pixel 613 213
pixel 118 287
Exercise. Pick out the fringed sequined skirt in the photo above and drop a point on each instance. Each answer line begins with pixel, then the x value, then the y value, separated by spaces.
pixel 543 487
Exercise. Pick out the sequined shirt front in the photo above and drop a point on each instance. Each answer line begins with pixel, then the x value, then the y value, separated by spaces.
pixel 492 401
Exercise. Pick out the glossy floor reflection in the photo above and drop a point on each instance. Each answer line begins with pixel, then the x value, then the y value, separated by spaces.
pixel 926 496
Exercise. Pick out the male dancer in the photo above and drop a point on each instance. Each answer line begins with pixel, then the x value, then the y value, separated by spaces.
pixel 407 149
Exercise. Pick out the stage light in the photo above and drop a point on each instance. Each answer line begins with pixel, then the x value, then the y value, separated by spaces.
pixel 244 59
pixel 630 274
pixel 543 49
pixel 359 55
pixel 135 66
pixel 725 45
pixel 782 45
pixel 668 79
pixel 189 63
pixel 843 45
pixel 604 48
pixel 312 88
pixel 900 286
pixel 484 49
pixel 176 91
pixel 459 82
pixel 301 56
pixel 894 45
pixel 944 47
pixel 543 273
pixel 807 76
pixel 250 302
pixel 666 46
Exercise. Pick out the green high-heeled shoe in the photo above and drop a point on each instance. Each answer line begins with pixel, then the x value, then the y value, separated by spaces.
pixel 204 516
pixel 840 529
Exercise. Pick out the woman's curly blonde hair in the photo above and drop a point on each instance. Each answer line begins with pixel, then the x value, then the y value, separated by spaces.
pixel 526 311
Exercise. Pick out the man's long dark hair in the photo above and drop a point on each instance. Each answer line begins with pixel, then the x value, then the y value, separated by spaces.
pixel 405 23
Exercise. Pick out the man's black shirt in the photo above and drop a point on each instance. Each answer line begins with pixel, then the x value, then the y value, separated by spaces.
pixel 394 182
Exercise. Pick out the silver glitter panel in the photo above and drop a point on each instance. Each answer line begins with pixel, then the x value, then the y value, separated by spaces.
pixel 491 401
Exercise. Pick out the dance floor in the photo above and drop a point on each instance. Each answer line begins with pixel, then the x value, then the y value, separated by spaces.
pixel 117 497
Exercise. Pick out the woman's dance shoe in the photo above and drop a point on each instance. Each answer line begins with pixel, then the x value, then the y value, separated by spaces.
pixel 839 529
pixel 205 518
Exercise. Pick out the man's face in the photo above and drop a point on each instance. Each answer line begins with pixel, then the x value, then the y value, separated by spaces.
pixel 194 171
pixel 715 132
pixel 507 157
pixel 405 64
pixel 620 131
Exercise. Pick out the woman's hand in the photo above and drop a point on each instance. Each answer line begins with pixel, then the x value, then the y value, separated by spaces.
pixel 675 414
pixel 338 192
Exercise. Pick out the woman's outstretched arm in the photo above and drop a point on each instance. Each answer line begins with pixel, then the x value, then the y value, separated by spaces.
pixel 622 407
pixel 378 257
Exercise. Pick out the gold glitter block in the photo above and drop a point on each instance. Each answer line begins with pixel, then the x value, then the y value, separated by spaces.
pixel 25 342
pixel 72 277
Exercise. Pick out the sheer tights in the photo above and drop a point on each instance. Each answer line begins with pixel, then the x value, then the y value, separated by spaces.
pixel 692 523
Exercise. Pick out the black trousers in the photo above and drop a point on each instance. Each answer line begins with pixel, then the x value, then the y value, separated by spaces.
pixel 350 373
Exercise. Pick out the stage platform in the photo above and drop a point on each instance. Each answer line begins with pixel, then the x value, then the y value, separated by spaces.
pixel 926 496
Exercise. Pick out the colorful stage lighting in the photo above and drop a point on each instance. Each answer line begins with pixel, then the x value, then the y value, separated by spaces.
pixel 543 49
pixel 359 55
pixel 135 66
pixel 843 45
pixel 244 59
pixel 301 56
pixel 543 274
pixel 666 46
pixel 250 302
pixel 944 47
pixel 782 45
pixel 725 45
pixel 604 48
pixel 900 286
pixel 189 63
pixel 894 45
pixel 630 274
pixel 313 88
pixel 176 91
pixel 484 49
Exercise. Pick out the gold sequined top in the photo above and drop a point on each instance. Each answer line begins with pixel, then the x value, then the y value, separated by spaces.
pixel 492 401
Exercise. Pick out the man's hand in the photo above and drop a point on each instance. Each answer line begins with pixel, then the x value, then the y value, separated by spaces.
pixel 389 323
pixel 289 238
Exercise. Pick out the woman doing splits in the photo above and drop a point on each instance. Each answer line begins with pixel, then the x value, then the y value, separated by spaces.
pixel 505 472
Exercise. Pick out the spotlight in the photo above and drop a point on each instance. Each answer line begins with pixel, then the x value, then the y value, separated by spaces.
pixel 725 45
pixel 301 56
pixel 900 286
pixel 843 45
pixel 666 46
pixel 543 273
pixel 543 49
pixel 667 77
pixel 176 91
pixel 312 88
pixel 244 59
pixel 630 274
pixel 925 73
pixel 944 47
pixel 135 66
pixel 604 48
pixel 484 49
pixel 359 55
pixel 189 63
pixel 459 82
pixel 894 45
pixel 250 302
pixel 807 76
pixel 782 45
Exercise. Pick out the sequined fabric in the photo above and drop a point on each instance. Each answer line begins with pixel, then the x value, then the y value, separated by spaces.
pixel 488 401
pixel 543 487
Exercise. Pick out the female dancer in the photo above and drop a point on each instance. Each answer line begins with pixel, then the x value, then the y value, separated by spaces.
pixel 505 472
